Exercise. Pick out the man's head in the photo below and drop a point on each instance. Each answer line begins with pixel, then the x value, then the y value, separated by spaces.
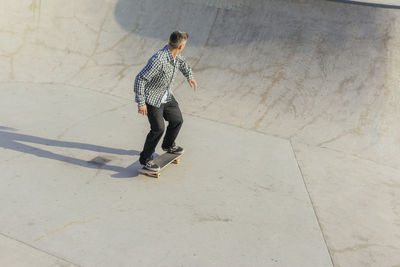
pixel 177 40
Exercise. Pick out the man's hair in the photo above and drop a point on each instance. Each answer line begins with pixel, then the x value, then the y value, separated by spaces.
pixel 177 38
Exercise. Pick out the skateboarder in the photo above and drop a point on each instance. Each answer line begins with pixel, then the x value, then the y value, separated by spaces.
pixel 153 94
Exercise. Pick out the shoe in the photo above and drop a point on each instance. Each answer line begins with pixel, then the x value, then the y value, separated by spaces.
pixel 144 161
pixel 151 166
pixel 174 150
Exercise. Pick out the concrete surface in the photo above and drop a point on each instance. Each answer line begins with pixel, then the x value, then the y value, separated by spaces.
pixel 15 253
pixel 377 3
pixel 306 91
pixel 227 204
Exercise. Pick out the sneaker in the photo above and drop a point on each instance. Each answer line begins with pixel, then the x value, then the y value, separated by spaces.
pixel 144 161
pixel 151 166
pixel 174 150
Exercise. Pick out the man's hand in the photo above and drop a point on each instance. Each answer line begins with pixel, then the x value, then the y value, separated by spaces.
pixel 143 109
pixel 193 83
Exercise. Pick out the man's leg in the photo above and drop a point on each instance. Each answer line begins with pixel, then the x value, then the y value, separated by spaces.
pixel 173 115
pixel 155 117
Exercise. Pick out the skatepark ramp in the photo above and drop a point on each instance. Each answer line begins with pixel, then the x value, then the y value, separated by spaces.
pixel 374 3
pixel 322 75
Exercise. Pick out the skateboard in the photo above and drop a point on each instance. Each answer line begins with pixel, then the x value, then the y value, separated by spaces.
pixel 163 161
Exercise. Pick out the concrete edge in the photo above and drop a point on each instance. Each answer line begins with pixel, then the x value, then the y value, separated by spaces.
pixel 365 3
pixel 312 203
pixel 42 253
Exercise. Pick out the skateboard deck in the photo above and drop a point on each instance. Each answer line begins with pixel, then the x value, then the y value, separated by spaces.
pixel 163 161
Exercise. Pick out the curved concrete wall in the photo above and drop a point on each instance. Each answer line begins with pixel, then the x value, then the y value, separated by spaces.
pixel 323 74
pixel 318 72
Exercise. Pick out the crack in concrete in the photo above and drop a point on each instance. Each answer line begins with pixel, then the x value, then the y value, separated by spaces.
pixel 361 247
pixel 40 250
pixel 65 226
pixel 101 28
pixel 313 206
pixel 36 8
pixel 277 77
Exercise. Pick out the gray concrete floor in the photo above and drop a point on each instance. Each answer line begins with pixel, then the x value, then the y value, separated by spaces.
pixel 292 141
pixel 228 202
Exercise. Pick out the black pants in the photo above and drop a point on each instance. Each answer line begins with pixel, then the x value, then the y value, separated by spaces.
pixel 170 112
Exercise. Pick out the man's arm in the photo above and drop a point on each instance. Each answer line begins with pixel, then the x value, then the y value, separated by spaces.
pixel 185 68
pixel 187 72
pixel 148 72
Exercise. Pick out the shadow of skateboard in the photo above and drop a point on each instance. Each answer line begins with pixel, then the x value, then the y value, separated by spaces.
pixel 163 161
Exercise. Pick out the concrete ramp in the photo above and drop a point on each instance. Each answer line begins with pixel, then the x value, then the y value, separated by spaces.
pixel 374 3
pixel 292 139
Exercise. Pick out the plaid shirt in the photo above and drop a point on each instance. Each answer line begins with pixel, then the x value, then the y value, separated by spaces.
pixel 157 76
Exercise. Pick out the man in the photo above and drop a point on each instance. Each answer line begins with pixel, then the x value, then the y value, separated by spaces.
pixel 153 91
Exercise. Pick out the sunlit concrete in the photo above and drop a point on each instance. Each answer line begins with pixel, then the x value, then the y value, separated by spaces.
pixel 322 76
pixel 228 203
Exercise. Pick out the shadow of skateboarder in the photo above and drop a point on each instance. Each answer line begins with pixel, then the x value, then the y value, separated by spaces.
pixel 9 139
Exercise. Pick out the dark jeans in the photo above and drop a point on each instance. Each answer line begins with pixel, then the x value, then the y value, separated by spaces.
pixel 170 112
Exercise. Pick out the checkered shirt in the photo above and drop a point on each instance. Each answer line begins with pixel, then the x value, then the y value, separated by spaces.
pixel 156 78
